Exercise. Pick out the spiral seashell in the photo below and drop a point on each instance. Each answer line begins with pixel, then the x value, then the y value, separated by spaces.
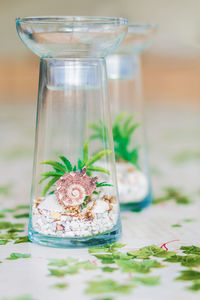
pixel 72 188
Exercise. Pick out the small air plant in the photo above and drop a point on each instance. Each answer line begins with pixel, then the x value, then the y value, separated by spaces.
pixel 123 129
pixel 85 164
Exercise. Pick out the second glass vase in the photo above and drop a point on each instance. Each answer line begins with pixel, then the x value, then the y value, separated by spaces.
pixel 128 122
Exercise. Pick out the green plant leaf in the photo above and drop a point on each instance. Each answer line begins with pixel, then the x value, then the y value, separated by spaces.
pixel 127 123
pixel 132 129
pixel 66 162
pixel 48 186
pixel 98 169
pixel 97 157
pixel 85 152
pixel 55 164
pixel 81 164
pixel 14 256
pixel 100 184
pixel 49 174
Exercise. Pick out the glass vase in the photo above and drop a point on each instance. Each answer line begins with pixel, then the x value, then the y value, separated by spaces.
pixel 74 199
pixel 128 123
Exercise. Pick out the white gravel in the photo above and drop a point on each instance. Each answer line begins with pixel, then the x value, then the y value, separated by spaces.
pixel 48 217
pixel 132 184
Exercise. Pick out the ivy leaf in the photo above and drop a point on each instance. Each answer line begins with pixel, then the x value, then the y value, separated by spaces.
pixel 173 194
pixel 128 266
pixel 107 248
pixel 14 230
pixel 186 261
pixel 150 280
pixel 57 272
pixel 86 265
pixel 105 258
pixel 2 215
pixel 191 250
pixel 5 189
pixel 188 220
pixel 21 216
pixel 195 286
pixel 8 236
pixel 14 256
pixel 9 225
pixel 60 286
pixel 147 252
pixel 109 269
pixel 62 262
pixel 17 225
pixel 3 242
pixel 108 286
pixel 189 275
pixel 176 225
pixel 5 225
pixel 22 239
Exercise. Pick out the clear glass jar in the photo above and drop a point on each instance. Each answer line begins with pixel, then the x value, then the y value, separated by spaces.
pixel 74 200
pixel 128 123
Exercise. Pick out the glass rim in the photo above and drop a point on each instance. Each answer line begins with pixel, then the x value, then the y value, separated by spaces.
pixel 133 27
pixel 72 19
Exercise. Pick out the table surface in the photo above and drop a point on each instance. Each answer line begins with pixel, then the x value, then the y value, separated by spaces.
pixel 49 273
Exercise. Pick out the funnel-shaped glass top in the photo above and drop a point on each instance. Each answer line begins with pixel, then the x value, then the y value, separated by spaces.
pixel 71 36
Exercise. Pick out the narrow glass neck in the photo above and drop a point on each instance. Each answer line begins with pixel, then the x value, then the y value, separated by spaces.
pixel 123 66
pixel 73 73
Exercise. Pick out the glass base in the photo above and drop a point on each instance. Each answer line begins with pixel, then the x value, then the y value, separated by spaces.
pixel 90 241
pixel 136 206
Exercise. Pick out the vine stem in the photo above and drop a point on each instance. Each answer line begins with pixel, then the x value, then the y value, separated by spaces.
pixel 164 245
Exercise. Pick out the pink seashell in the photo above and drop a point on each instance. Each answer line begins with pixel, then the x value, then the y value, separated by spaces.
pixel 72 188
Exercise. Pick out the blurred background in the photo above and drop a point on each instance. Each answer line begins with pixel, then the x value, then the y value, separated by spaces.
pixel 171 82
pixel 171 68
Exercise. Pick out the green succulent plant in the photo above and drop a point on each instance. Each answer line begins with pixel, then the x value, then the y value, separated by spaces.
pixel 123 129
pixel 64 166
